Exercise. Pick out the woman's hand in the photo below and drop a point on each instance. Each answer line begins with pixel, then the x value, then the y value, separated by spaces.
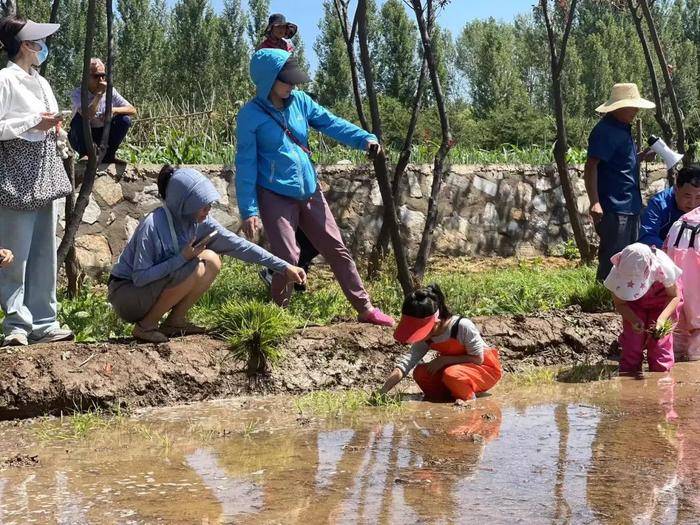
pixel 296 275
pixel 189 252
pixel 5 258
pixel 436 365
pixel 251 226
pixel 47 122
pixel 373 148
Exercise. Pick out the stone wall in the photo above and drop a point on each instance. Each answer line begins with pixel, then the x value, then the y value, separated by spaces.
pixel 483 210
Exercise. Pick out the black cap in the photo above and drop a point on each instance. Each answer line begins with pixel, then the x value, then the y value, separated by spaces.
pixel 292 73
pixel 278 19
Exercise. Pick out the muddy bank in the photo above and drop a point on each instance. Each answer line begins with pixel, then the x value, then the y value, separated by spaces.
pixel 48 378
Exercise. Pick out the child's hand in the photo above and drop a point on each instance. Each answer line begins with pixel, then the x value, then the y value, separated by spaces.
pixel 435 365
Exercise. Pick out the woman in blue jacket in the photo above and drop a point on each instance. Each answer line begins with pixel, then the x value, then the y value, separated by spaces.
pixel 166 267
pixel 276 181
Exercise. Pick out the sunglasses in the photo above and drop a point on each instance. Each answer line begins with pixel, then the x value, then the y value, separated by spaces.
pixel 99 75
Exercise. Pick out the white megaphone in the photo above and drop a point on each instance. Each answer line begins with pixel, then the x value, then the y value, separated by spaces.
pixel 671 158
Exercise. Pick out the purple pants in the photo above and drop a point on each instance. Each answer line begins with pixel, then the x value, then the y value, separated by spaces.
pixel 659 352
pixel 282 215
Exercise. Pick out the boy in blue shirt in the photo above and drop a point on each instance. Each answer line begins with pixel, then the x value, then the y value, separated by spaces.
pixel 669 205
pixel 611 174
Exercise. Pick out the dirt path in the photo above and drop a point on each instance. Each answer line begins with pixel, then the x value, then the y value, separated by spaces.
pixel 48 378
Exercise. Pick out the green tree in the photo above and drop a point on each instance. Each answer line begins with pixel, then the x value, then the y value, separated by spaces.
pixel 141 30
pixel 397 63
pixel 485 53
pixel 192 43
pixel 333 82
pixel 257 20
pixel 233 53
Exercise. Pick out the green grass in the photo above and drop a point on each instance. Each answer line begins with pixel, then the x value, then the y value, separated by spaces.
pixel 586 373
pixel 338 404
pixel 78 424
pixel 534 376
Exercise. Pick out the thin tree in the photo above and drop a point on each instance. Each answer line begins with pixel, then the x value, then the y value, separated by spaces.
pixel 663 66
pixel 439 166
pixel 557 61
pixel 52 19
pixel 95 153
pixel 666 129
pixel 380 161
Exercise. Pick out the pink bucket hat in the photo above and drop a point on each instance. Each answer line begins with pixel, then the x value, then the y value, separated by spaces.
pixel 634 271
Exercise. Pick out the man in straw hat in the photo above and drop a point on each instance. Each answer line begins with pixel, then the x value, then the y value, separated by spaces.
pixel 612 174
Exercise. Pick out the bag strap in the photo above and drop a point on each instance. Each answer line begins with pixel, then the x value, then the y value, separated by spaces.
pixel 286 129
pixel 684 225
pixel 455 328
pixel 171 224
pixel 693 232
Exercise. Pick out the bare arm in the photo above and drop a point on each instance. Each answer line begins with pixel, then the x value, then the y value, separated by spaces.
pixel 391 381
pixel 590 177
pixel 675 298
pixel 124 110
pixel 628 315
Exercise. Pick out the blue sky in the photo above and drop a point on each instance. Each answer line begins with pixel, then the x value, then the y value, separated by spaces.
pixel 307 13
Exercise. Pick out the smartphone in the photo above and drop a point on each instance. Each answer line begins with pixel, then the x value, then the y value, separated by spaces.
pixel 205 240
pixel 62 114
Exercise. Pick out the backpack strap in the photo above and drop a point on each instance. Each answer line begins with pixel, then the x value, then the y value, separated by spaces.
pixel 693 232
pixel 285 128
pixel 455 328
pixel 684 225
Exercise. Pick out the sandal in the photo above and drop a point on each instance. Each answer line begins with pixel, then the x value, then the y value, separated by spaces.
pixel 149 335
pixel 179 330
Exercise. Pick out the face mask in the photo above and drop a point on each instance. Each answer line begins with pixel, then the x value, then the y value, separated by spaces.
pixel 43 53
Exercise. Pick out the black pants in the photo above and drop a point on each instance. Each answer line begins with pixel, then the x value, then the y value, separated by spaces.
pixel 307 252
pixel 117 133
pixel 616 232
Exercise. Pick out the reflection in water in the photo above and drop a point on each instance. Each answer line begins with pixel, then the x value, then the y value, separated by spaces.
pixel 236 495
pixel 623 451
pixel 330 451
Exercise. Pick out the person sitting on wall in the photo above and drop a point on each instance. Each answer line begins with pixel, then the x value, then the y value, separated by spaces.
pixel 611 174
pixel 122 110
pixel 667 206
pixel 278 34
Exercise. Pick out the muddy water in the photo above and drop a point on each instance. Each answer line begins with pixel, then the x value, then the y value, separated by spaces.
pixel 621 451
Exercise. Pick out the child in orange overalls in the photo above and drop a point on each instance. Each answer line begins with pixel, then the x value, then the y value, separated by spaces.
pixel 466 364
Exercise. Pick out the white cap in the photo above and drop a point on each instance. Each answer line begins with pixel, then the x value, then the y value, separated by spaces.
pixel 33 31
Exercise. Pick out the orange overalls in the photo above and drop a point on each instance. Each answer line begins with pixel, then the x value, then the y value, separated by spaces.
pixel 461 381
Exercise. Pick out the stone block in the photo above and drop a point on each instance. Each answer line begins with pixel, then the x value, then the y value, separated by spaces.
pixel 130 225
pixel 92 211
pixel 109 191
pixel 222 187
pixel 93 253
pixel 484 185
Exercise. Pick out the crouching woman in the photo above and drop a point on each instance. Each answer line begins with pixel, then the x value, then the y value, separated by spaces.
pixel 173 258
pixel 465 366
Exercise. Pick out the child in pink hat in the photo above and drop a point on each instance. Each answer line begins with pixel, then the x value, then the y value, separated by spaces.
pixel 646 292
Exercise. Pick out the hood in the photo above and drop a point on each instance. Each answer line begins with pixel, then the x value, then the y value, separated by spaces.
pixel 264 68
pixel 188 191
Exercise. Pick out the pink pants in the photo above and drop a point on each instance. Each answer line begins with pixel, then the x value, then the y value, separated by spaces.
pixel 659 352
pixel 282 215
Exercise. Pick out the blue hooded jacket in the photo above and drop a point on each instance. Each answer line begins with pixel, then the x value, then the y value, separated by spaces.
pixel 151 254
pixel 265 155
pixel 660 214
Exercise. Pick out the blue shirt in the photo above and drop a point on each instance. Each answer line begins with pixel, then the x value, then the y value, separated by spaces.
pixel 662 211
pixel 612 144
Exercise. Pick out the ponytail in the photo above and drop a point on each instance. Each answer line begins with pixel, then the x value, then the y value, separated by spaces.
pixel 164 178
pixel 425 302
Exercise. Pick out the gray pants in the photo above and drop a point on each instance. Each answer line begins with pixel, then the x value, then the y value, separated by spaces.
pixel 616 232
pixel 28 285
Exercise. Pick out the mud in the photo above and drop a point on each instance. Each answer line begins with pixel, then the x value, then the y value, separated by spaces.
pixel 45 379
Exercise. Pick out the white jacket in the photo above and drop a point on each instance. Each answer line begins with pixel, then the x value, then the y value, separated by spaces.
pixel 22 102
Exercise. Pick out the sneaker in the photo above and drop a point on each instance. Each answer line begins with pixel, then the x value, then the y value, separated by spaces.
pixel 16 339
pixel 179 330
pixel 266 276
pixel 60 334
pixel 376 316
pixel 149 335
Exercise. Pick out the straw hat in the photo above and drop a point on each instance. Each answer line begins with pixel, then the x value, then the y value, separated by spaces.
pixel 625 96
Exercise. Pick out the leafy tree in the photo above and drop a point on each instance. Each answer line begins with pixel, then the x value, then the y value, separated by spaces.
pixel 233 52
pixel 257 20
pixel 333 82
pixel 397 62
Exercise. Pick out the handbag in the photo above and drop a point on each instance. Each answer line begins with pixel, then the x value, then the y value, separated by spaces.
pixel 32 173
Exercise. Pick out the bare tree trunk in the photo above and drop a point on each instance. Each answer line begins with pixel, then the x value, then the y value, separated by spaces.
pixel 445 145
pixel 659 113
pixel 380 166
pixel 71 265
pixel 95 155
pixel 557 65
pixel 52 20
pixel 341 9
pixel 680 128
pixel 381 247
pixel 8 7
